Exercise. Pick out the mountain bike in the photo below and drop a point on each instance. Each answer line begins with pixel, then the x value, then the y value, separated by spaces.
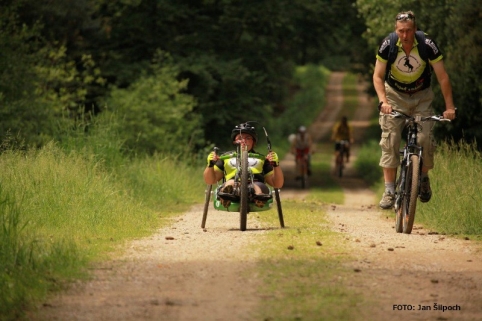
pixel 244 200
pixel 407 186
pixel 341 156
pixel 302 166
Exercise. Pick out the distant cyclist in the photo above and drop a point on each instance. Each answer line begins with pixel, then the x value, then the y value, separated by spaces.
pixel 342 132
pixel 302 144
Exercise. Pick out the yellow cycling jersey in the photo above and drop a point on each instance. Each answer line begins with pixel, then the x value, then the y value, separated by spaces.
pixel 341 132
pixel 409 73
pixel 258 166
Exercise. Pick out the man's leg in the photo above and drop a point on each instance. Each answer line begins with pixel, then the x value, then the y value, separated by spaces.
pixel 388 198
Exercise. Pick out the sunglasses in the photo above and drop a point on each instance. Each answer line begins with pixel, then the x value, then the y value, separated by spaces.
pixel 405 16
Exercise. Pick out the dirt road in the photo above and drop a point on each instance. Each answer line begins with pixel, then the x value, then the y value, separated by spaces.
pixel 186 273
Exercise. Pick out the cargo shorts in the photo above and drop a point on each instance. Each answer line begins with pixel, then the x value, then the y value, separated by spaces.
pixel 417 104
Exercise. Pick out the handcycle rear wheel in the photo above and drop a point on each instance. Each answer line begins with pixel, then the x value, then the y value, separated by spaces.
pixel 409 203
pixel 243 206
pixel 278 205
pixel 207 198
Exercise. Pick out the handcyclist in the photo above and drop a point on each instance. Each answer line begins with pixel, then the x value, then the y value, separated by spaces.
pixel 302 144
pixel 342 132
pixel 405 85
pixel 266 171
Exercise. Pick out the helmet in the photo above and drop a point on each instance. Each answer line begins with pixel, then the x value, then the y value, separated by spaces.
pixel 302 129
pixel 246 129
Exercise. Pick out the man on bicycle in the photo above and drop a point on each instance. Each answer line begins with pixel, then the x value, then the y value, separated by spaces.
pixel 405 87
pixel 301 146
pixel 342 132
pixel 265 170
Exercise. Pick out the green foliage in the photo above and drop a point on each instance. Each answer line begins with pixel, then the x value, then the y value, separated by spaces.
pixel 21 113
pixel 238 59
pixel 61 210
pixel 29 265
pixel 63 83
pixel 456 202
pixel 156 115
pixel 305 102
pixel 40 82
pixel 367 162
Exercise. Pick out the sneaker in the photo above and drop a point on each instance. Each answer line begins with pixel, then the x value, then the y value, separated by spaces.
pixel 388 199
pixel 425 190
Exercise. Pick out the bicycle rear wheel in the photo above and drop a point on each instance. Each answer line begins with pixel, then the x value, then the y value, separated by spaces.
pixel 243 206
pixel 339 164
pixel 411 188
pixel 303 171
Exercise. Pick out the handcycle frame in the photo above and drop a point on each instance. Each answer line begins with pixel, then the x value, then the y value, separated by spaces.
pixel 339 160
pixel 407 186
pixel 242 179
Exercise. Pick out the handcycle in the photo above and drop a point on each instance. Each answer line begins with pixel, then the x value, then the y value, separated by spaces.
pixel 245 199
pixel 407 186
pixel 341 156
pixel 301 160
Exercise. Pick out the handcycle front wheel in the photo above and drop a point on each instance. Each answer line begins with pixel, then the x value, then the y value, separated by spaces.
pixel 243 206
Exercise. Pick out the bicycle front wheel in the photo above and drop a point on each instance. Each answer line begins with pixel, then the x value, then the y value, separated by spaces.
pixel 399 197
pixel 243 206
pixel 411 193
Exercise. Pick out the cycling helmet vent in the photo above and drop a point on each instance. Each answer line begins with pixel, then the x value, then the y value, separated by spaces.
pixel 245 128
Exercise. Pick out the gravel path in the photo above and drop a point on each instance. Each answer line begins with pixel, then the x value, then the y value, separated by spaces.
pixel 186 273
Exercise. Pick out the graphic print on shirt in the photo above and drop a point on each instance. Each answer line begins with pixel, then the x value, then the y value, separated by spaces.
pixel 409 65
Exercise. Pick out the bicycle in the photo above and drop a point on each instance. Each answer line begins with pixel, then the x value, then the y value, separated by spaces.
pixel 341 156
pixel 407 186
pixel 302 166
pixel 244 199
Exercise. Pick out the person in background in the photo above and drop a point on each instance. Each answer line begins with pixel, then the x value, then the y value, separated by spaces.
pixel 302 145
pixel 342 132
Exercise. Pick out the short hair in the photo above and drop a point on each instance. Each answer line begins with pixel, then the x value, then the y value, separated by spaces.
pixel 405 16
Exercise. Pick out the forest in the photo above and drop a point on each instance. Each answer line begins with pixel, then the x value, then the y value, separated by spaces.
pixel 176 75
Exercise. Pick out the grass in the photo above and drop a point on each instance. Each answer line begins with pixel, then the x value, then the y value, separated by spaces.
pixel 60 211
pixel 302 265
pixel 302 269
pixel 456 201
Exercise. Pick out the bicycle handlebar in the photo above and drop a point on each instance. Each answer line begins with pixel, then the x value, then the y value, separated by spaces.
pixel 234 154
pixel 398 114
